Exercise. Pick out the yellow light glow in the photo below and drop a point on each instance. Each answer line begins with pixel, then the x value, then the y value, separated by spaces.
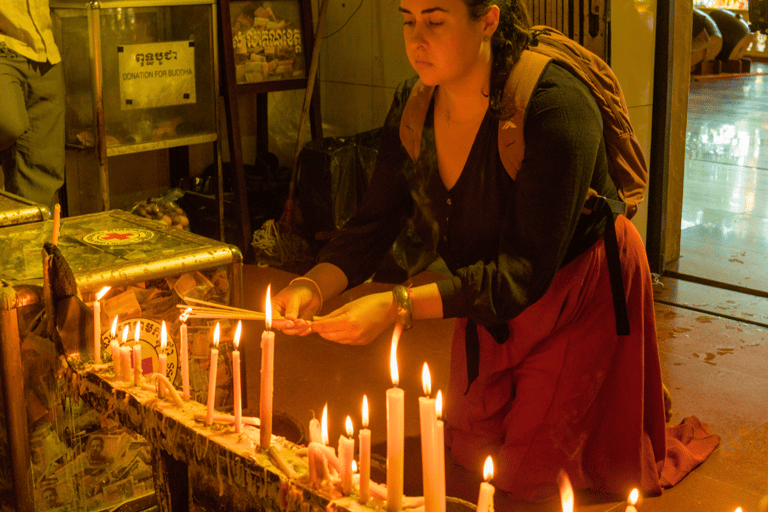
pixel 114 328
pixel 426 380
pixel 488 469
pixel 439 404
pixel 137 333
pixel 350 428
pixel 633 497
pixel 216 332
pixel 324 425
pixel 238 331
pixel 393 354
pixel 566 492
pixel 163 337
pixel 102 293
pixel 268 309
pixel 365 411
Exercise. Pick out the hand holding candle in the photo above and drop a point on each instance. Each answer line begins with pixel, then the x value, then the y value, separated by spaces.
pixel 212 375
pixel 365 456
pixel 267 378
pixel 485 499
pixel 97 325
pixel 238 405
pixel 395 431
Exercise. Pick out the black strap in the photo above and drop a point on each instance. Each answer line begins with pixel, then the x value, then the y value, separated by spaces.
pixel 500 334
pixel 609 207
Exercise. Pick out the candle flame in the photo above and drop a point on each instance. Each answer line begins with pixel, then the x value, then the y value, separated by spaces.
pixel 268 309
pixel 324 424
pixel 125 334
pixel 350 428
pixel 216 335
pixel 354 466
pixel 365 411
pixel 114 328
pixel 488 469
pixel 137 333
pixel 566 491
pixel 439 404
pixel 102 293
pixel 633 497
pixel 426 380
pixel 393 354
pixel 738 509
pixel 163 337
pixel 185 315
pixel 238 331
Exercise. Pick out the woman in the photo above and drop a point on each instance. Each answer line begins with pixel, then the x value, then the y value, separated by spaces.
pixel 539 377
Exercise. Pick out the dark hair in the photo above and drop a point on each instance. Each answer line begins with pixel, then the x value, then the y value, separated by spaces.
pixel 510 39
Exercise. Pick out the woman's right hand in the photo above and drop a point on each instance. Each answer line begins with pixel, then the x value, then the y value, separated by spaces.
pixel 298 302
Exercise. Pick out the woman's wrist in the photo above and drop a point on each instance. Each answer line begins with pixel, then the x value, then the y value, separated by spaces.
pixel 317 293
pixel 403 306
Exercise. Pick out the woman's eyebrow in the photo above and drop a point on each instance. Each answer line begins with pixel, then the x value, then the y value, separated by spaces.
pixel 425 11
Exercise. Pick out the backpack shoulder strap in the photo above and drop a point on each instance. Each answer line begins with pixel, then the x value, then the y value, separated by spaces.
pixel 523 79
pixel 414 115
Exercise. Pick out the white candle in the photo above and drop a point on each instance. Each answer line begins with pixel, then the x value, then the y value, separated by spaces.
pixel 212 375
pixel 395 431
pixel 346 457
pixel 365 456
pixel 97 325
pixel 236 379
pixel 485 499
pixel 184 355
pixel 315 431
pixel 318 466
pixel 267 378
pixel 635 495
pixel 429 456
pixel 125 357
pixel 56 224
pixel 162 358
pixel 440 445
pixel 137 373
pixel 114 349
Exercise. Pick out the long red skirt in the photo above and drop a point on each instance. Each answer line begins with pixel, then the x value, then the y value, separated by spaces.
pixel 565 392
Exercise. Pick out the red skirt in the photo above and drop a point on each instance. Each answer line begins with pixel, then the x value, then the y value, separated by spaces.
pixel 565 392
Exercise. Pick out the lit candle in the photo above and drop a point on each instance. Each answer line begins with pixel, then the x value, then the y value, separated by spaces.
pixel 395 431
pixel 125 357
pixel 267 368
pixel 429 457
pixel 365 456
pixel 236 379
pixel 318 465
pixel 346 457
pixel 485 499
pixel 137 371
pixel 632 501
pixel 114 348
pixel 97 325
pixel 184 355
pixel 566 491
pixel 162 358
pixel 440 445
pixel 212 375
pixel 315 430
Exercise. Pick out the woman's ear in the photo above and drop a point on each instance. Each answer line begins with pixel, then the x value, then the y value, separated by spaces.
pixel 491 20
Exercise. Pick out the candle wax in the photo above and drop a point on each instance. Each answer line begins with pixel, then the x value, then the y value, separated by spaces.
pixel 96 332
pixel 184 355
pixel 485 499
pixel 125 363
pixel 440 444
pixel 395 448
pixel 114 348
pixel 238 405
pixel 162 370
pixel 346 456
pixel 212 385
pixel 365 465
pixel 267 381
pixel 137 373
pixel 429 455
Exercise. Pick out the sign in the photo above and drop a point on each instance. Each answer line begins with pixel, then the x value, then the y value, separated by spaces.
pixel 267 41
pixel 156 74
pixel 119 236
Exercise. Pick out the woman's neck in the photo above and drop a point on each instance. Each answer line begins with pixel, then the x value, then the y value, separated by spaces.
pixel 465 99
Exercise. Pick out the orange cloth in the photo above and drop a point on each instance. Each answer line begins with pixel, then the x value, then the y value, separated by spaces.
pixel 688 445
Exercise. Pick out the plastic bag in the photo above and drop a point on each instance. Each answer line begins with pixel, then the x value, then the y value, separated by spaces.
pixel 165 209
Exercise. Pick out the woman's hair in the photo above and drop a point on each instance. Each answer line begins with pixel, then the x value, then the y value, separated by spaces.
pixel 509 40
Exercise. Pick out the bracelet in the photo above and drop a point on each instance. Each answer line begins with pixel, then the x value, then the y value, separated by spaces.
pixel 404 306
pixel 317 289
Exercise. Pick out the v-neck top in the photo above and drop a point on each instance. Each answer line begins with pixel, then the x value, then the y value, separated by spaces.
pixel 502 239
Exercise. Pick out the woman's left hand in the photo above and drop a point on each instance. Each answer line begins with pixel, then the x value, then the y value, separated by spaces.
pixel 358 322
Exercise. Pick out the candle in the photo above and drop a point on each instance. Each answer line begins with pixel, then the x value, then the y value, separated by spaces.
pixel 212 375
pixel 184 355
pixel 114 349
pixel 125 357
pixel 162 357
pixel 137 373
pixel 56 224
pixel 346 457
pixel 236 379
pixel 315 430
pixel 97 325
pixel 267 368
pixel 395 431
pixel 440 446
pixel 429 456
pixel 365 456
pixel 485 499
pixel 566 491
pixel 318 465
pixel 632 501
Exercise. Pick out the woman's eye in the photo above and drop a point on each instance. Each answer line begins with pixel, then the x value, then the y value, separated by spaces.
pixel 407 23
pixel 436 23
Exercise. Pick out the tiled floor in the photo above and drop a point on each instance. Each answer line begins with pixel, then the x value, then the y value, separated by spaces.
pixel 713 355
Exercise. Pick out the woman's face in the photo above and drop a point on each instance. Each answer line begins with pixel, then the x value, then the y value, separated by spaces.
pixel 442 42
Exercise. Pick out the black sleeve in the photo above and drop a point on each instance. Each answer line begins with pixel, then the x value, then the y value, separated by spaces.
pixel 386 205
pixel 563 141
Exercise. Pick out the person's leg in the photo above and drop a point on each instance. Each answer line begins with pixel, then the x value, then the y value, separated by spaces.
pixel 13 111
pixel 36 161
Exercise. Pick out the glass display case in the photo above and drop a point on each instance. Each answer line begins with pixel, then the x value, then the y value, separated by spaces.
pixel 139 75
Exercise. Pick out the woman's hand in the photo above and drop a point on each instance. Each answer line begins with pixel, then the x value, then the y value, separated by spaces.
pixel 358 322
pixel 297 303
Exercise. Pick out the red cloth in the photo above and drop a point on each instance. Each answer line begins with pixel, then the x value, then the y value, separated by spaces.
pixel 565 391
pixel 688 445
